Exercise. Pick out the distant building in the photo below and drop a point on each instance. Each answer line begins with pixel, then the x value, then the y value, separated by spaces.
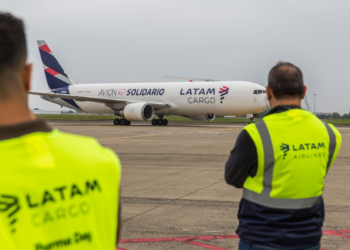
pixel 323 114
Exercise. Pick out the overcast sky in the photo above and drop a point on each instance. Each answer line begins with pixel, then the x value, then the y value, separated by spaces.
pixel 143 40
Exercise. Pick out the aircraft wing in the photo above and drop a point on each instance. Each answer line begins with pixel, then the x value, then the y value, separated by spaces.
pixel 157 105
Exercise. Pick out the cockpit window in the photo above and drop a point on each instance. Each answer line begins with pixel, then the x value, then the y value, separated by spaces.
pixel 259 91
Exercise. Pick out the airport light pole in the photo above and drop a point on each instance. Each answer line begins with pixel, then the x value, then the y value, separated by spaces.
pixel 315 104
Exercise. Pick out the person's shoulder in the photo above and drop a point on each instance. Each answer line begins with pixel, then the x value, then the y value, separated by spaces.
pixel 336 132
pixel 80 146
pixel 73 139
pixel 330 126
pixel 244 136
pixel 250 125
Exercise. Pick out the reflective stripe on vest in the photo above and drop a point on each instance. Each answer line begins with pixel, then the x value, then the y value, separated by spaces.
pixel 332 144
pixel 264 197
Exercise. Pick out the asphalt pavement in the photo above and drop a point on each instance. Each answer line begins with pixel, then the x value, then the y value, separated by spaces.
pixel 174 195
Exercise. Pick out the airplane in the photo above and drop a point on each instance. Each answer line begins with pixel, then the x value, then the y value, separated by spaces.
pixel 199 100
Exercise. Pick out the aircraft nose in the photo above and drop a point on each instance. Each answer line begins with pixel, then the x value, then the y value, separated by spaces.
pixel 259 99
pixel 261 102
pixel 265 103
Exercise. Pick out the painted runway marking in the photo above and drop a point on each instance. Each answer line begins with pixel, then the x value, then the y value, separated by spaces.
pixel 195 239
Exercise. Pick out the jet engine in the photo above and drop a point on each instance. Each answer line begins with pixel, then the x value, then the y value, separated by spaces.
pixel 137 112
pixel 204 118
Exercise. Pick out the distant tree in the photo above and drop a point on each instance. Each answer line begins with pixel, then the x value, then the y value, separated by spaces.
pixel 336 115
pixel 323 115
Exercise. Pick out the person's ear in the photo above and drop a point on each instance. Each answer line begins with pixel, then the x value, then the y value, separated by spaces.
pixel 304 92
pixel 269 93
pixel 27 75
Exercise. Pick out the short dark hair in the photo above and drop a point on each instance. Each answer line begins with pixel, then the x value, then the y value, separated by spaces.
pixel 13 49
pixel 286 81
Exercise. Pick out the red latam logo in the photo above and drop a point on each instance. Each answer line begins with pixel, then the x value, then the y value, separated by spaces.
pixel 121 91
pixel 223 91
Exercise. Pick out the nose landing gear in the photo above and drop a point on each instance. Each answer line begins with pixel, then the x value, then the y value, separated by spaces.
pixel 122 122
pixel 252 117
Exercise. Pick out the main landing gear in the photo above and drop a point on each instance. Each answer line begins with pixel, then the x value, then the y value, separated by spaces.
pixel 160 121
pixel 122 122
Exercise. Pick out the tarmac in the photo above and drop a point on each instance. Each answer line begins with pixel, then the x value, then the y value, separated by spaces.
pixel 174 195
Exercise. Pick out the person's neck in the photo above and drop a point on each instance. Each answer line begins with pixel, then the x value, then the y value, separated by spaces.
pixel 289 102
pixel 14 112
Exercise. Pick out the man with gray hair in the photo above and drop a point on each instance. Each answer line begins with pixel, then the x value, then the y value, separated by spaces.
pixel 281 162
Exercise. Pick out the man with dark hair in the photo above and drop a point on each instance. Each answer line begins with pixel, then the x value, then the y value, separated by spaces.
pixel 281 162
pixel 57 190
pixel 14 72
pixel 286 81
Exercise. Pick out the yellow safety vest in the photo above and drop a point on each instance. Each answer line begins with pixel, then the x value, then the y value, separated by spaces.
pixel 295 150
pixel 58 191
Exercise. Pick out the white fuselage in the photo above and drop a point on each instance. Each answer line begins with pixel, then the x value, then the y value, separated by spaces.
pixel 185 98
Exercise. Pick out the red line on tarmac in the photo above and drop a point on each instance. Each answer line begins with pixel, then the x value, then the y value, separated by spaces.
pixel 194 240
pixel 199 244
pixel 337 233
pixel 152 240
pixel 182 239
pixel 224 237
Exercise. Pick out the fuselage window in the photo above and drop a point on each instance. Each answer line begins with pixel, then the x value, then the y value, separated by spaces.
pixel 259 91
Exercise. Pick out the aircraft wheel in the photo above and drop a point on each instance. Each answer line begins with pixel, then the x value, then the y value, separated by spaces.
pixel 154 122
pixel 116 121
pixel 122 122
pixel 159 122
pixel 128 123
pixel 165 122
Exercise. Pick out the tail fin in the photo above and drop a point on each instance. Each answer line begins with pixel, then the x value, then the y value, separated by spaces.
pixel 55 76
